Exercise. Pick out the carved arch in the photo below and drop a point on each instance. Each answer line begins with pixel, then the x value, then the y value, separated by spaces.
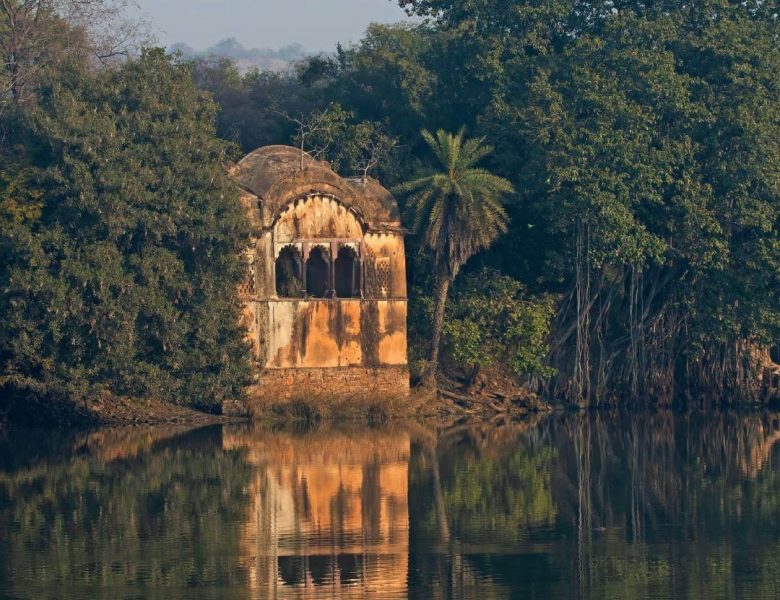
pixel 287 214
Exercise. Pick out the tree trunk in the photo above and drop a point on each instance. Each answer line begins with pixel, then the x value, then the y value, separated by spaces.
pixel 472 381
pixel 14 79
pixel 438 494
pixel 442 287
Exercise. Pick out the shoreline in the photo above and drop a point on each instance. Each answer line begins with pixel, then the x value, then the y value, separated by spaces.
pixel 425 404
pixel 32 412
pixel 420 404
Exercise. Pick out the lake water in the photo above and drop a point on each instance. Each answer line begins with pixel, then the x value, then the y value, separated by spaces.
pixel 651 505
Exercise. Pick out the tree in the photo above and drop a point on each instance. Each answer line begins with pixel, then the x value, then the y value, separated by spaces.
pixel 351 148
pixel 253 106
pixel 122 240
pixel 458 210
pixel 37 37
pixel 318 130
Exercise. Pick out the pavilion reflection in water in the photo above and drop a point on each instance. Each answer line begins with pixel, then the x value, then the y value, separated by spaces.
pixel 328 513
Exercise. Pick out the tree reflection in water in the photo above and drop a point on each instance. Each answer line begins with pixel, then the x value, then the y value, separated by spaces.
pixel 651 504
pixel 646 505
pixel 154 511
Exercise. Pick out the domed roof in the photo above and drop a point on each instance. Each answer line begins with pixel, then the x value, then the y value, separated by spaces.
pixel 278 175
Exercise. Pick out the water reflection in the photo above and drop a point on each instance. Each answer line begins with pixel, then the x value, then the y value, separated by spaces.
pixel 648 505
pixel 328 512
pixel 645 505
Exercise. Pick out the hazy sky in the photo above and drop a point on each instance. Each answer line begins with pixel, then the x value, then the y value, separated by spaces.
pixel 315 24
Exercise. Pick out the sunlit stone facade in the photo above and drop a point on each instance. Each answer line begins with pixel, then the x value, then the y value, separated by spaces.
pixel 325 295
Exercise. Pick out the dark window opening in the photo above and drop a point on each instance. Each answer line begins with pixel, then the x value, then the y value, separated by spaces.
pixel 317 273
pixel 321 569
pixel 291 570
pixel 347 267
pixel 350 567
pixel 289 273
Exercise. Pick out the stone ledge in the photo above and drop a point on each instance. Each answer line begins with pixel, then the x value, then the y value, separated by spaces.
pixel 327 390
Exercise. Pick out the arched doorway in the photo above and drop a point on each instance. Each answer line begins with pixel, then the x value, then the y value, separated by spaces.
pixel 289 273
pixel 317 273
pixel 347 273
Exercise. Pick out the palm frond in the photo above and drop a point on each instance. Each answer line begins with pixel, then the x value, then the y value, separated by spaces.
pixel 473 151
pixel 457 208
pixel 412 185
pixel 484 179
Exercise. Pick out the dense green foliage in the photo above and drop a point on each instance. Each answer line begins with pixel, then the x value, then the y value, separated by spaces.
pixel 252 107
pixel 491 320
pixel 643 141
pixel 121 240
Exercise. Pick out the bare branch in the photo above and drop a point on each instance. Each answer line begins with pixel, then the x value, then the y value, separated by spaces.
pixel 36 35
pixel 308 126
pixel 374 146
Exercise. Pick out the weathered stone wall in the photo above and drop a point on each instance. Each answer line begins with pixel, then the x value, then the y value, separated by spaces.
pixel 329 390
pixel 387 248
pixel 278 175
pixel 335 333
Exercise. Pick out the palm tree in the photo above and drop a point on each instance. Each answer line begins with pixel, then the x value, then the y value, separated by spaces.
pixel 457 209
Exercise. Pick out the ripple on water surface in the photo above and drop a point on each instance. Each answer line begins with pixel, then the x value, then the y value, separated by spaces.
pixel 654 505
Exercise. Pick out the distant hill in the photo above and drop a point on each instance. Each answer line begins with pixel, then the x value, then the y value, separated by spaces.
pixel 246 59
